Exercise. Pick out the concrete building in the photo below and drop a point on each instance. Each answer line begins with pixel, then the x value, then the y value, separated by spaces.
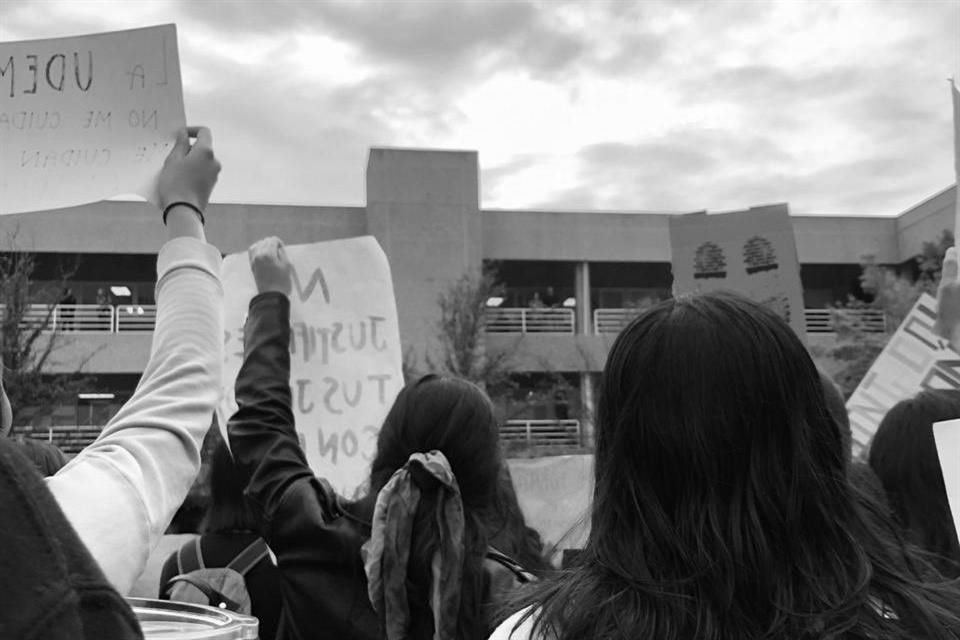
pixel 572 278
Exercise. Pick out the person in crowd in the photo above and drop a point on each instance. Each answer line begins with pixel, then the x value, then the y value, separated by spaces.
pixel 722 507
pixel 536 302
pixel 408 560
pixel 228 529
pixel 903 454
pixel 70 546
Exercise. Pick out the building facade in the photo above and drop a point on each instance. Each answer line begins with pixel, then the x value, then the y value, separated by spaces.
pixel 571 279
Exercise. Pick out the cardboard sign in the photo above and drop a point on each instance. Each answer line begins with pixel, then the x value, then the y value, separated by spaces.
pixel 555 494
pixel 345 351
pixel 86 118
pixel 752 252
pixel 915 358
pixel 947 436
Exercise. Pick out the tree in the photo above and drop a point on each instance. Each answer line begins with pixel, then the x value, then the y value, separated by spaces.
pixel 461 330
pixel 891 291
pixel 26 344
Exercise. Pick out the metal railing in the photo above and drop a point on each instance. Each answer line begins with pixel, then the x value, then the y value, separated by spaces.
pixel 69 439
pixel 815 320
pixel 88 318
pixel 542 433
pixel 520 320
pixel 867 320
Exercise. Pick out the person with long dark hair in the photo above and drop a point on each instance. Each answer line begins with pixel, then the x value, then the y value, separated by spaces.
pixel 903 454
pixel 411 558
pixel 721 507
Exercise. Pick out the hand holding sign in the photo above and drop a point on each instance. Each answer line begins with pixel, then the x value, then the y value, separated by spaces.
pixel 271 268
pixel 948 299
pixel 189 173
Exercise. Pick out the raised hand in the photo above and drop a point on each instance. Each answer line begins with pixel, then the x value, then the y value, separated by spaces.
pixel 271 269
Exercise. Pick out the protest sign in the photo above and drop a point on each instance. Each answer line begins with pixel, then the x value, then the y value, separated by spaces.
pixel 87 117
pixel 345 351
pixel 947 436
pixel 555 494
pixel 752 252
pixel 915 358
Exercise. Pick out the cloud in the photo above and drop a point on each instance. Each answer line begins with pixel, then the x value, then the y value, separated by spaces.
pixel 834 106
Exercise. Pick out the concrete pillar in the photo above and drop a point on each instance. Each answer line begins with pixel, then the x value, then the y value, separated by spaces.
pixel 584 314
pixel 424 209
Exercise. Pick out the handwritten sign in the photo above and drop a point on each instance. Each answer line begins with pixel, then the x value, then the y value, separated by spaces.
pixel 555 494
pixel 752 252
pixel 915 358
pixel 86 118
pixel 345 351
pixel 947 436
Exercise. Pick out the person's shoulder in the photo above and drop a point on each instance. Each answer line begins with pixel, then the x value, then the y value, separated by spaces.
pixel 519 626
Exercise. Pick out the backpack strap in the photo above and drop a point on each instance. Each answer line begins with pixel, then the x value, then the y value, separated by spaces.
pixel 249 557
pixel 190 557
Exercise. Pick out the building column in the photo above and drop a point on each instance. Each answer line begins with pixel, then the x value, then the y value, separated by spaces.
pixel 584 314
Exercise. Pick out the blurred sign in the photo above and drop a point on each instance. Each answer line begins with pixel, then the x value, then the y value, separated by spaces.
pixel 752 252
pixel 915 358
pixel 88 117
pixel 345 356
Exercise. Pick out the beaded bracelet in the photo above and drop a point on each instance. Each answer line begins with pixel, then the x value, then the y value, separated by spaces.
pixel 183 204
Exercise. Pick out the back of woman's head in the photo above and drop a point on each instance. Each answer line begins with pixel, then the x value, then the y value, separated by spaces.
pixel 721 507
pixel 903 454
pixel 449 415
pixel 227 509
pixel 455 418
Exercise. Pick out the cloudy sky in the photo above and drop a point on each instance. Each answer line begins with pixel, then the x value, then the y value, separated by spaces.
pixel 835 106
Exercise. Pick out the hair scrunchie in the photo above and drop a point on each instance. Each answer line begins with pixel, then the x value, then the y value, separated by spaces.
pixel 387 552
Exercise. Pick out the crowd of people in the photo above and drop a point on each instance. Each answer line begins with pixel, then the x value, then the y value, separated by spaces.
pixel 726 504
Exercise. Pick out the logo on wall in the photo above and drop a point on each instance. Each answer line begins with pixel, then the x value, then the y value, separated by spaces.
pixel 709 262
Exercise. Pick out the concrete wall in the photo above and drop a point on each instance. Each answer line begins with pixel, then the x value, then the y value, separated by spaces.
pixel 100 353
pixel 597 237
pixel 424 209
pixel 134 227
pixel 645 237
pixel 925 222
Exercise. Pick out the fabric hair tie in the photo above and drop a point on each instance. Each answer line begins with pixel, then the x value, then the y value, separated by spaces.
pixel 387 553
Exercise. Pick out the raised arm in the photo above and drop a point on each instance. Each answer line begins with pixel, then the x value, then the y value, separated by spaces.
pixel 121 492
pixel 262 434
pixel 948 300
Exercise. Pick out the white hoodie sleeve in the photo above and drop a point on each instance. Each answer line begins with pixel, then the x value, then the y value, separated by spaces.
pixel 122 491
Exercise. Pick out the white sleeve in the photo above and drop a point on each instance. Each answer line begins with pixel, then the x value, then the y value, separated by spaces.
pixel 122 491
pixel 506 629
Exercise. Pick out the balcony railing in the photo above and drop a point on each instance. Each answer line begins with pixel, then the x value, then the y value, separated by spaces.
pixel 70 439
pixel 542 433
pixel 518 320
pixel 868 320
pixel 89 318
pixel 815 320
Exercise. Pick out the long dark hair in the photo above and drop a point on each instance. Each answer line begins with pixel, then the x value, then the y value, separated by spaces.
pixel 721 506
pixel 454 417
pixel 903 454
pixel 227 509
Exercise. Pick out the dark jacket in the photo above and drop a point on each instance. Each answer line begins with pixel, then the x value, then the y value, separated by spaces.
pixel 52 588
pixel 315 536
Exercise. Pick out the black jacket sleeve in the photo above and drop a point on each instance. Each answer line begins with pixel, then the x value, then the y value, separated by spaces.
pixel 298 514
